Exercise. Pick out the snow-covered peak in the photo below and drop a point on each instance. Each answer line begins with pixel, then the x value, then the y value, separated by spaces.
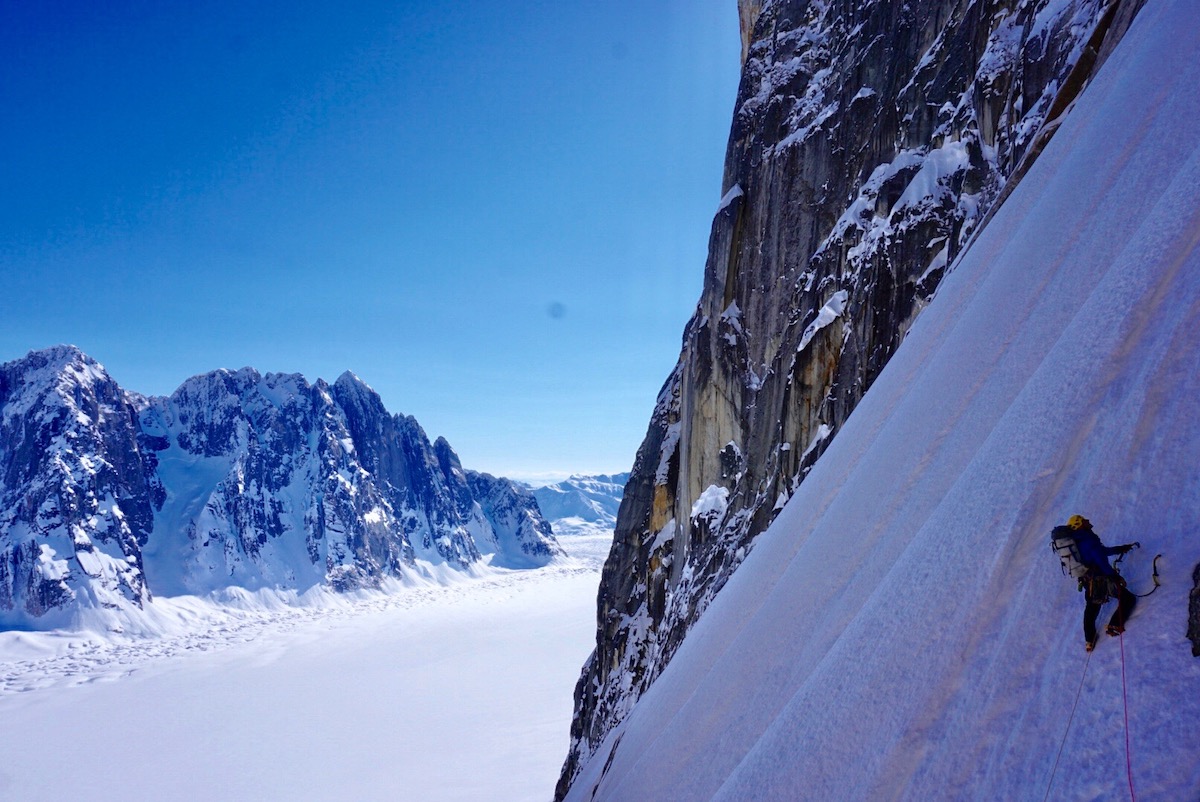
pixel 283 389
pixel 216 384
pixel 582 504
pixel 74 506
pixel 351 391
pixel 350 381
pixel 54 379
pixel 50 366
pixel 56 356
pixel 237 478
pixel 520 536
pixel 598 478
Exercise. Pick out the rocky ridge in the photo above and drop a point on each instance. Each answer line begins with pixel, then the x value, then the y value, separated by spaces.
pixel 236 479
pixel 869 142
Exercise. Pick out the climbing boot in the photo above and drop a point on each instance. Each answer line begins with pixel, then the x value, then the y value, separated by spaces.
pixel 1115 630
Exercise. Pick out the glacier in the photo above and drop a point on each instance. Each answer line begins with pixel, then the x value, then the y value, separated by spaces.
pixel 452 690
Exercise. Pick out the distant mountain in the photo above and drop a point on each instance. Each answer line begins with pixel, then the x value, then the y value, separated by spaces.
pixel 236 479
pixel 583 504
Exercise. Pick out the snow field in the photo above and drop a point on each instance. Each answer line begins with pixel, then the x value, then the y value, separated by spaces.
pixel 903 631
pixel 459 692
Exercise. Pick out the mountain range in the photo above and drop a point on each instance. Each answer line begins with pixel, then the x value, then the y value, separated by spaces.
pixel 583 505
pixel 237 479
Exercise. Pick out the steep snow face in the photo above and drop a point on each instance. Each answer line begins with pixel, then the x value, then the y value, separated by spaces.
pixel 869 142
pixel 237 479
pixel 583 504
pixel 902 630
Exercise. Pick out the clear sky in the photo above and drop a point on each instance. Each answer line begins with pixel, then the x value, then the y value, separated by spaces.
pixel 495 213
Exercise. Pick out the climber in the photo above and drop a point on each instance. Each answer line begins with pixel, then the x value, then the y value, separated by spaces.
pixel 1079 545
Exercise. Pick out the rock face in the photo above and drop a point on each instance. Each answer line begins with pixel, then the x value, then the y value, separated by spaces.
pixel 1193 630
pixel 869 141
pixel 76 504
pixel 516 532
pixel 236 479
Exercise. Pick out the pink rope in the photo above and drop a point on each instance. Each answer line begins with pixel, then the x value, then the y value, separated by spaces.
pixel 1125 699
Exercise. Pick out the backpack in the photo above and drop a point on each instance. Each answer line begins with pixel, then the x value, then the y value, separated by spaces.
pixel 1062 540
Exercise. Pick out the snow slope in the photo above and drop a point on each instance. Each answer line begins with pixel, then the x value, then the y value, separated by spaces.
pixel 459 692
pixel 903 631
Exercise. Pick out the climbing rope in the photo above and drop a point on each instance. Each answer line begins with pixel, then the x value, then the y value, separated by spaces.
pixel 1074 707
pixel 1125 683
pixel 1124 692
pixel 1125 699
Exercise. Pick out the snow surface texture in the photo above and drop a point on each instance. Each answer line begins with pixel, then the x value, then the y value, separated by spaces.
pixel 869 140
pixel 902 630
pixel 582 505
pixel 457 692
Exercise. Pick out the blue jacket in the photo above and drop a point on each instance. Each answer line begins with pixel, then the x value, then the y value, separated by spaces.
pixel 1095 554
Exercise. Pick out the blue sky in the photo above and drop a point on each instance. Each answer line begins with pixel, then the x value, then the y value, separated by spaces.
pixel 496 214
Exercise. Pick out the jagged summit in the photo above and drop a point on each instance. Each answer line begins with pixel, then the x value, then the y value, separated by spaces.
pixel 349 382
pixel 61 354
pixel 237 478
pixel 241 377
pixel 55 364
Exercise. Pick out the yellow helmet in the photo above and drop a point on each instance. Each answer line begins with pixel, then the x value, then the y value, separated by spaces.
pixel 1078 522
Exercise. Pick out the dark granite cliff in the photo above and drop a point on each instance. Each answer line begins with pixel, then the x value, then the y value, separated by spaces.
pixel 869 142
